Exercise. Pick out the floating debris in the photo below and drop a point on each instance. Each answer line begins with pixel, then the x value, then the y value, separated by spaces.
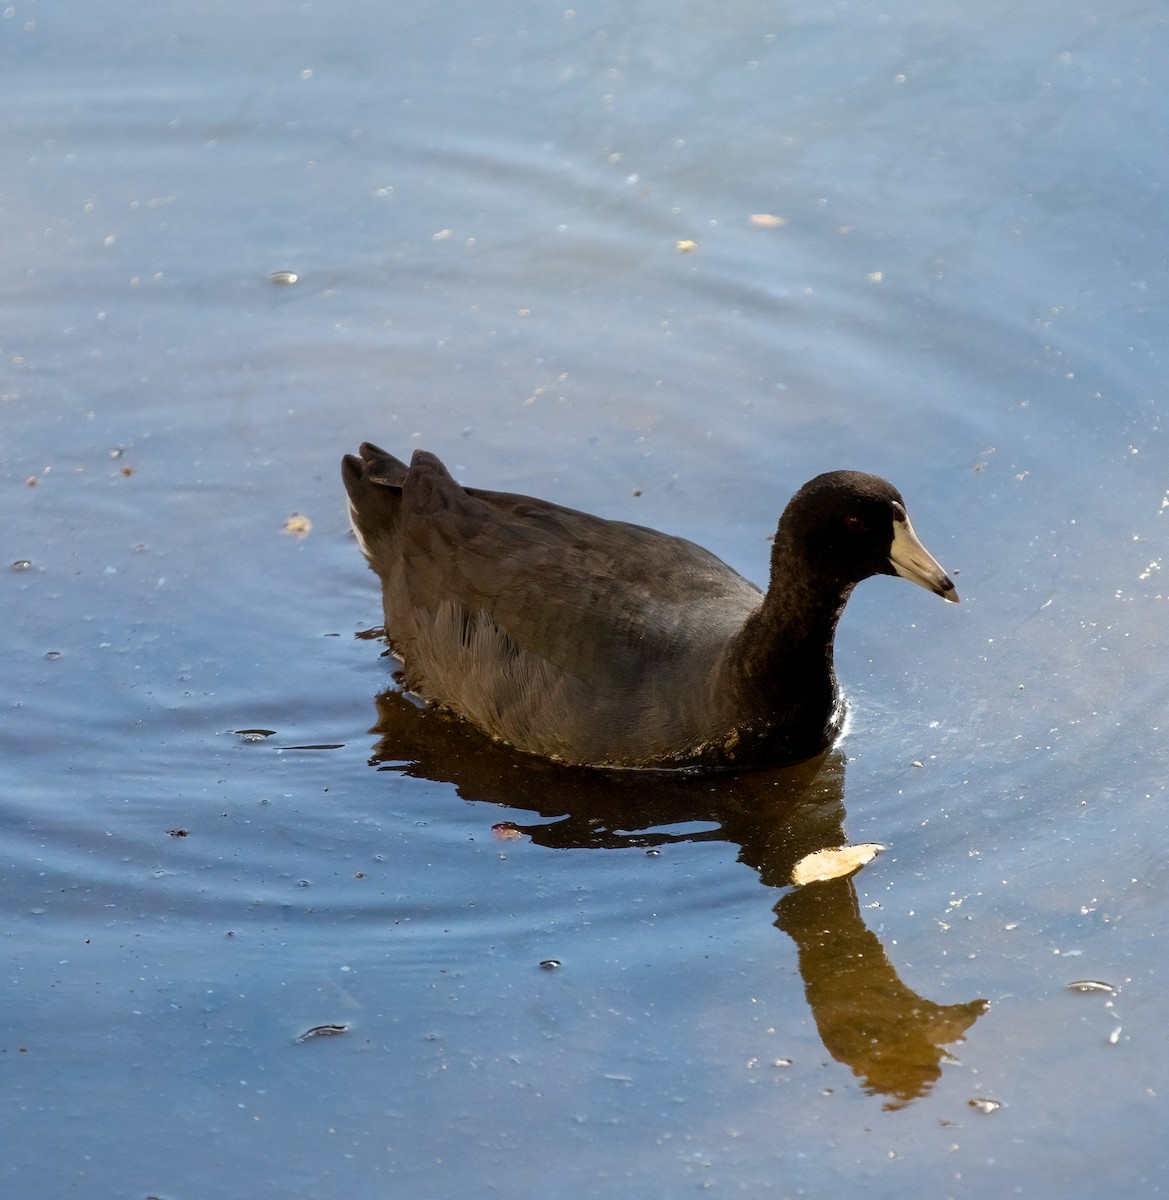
pixel 550 964
pixel 685 246
pixel 507 831
pixel 52 655
pixel 984 1104
pixel 298 525
pixel 833 862
pixel 253 735
pixel 22 564
pixel 179 832
pixel 318 1031
pixel 283 278
pixel 1091 985
pixel 767 220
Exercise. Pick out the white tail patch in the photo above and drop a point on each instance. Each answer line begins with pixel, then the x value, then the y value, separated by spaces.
pixel 357 531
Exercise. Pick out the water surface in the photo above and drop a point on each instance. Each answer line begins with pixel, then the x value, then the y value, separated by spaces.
pixel 965 290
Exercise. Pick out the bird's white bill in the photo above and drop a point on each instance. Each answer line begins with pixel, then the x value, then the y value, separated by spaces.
pixel 912 561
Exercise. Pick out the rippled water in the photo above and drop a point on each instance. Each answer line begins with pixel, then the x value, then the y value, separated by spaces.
pixel 965 290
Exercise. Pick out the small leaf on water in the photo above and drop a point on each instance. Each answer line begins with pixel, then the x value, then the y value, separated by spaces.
pixel 298 525
pixel 322 1031
pixel 833 862
pixel 1091 985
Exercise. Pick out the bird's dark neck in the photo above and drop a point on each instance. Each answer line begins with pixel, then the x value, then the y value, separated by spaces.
pixel 783 659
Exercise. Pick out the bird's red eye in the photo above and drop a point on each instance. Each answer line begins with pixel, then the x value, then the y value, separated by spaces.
pixel 855 525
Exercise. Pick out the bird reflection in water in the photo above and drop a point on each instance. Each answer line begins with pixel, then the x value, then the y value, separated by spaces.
pixel 868 1019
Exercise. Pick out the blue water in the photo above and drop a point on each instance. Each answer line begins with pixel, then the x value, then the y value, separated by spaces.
pixel 965 291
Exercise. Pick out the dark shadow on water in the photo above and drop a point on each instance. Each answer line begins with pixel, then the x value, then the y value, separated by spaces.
pixel 893 1039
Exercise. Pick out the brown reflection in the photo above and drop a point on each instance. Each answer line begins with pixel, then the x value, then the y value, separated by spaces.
pixel 892 1038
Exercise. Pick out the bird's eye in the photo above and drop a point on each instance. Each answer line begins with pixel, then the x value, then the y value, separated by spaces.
pixel 856 525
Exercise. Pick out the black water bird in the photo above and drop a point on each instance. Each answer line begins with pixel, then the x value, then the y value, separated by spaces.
pixel 604 644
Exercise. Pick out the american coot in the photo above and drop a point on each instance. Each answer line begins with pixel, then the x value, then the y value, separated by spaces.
pixel 604 644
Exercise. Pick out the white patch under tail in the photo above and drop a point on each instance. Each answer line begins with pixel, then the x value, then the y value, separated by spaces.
pixel 357 531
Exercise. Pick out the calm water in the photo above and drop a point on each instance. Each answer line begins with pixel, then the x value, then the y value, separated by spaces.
pixel 965 290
